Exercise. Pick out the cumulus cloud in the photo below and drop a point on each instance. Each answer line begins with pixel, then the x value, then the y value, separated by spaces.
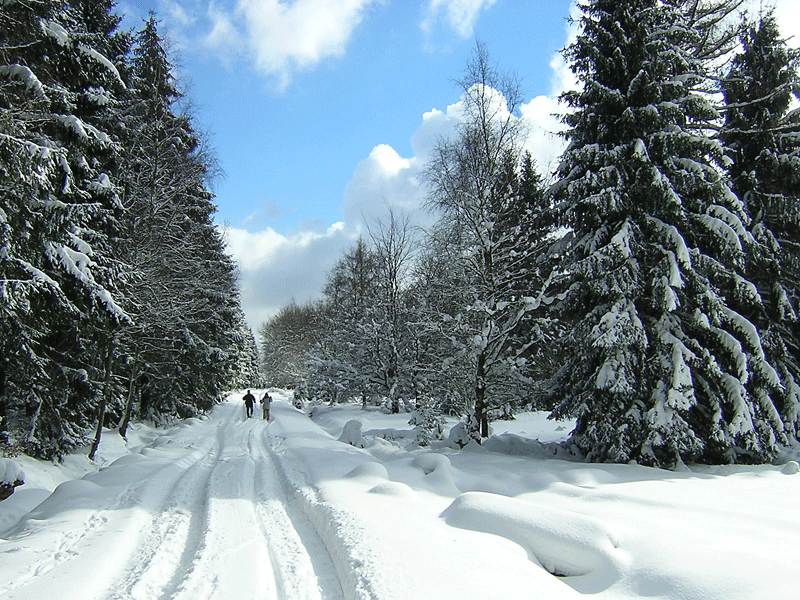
pixel 459 15
pixel 284 37
pixel 177 14
pixel 383 178
pixel 275 268
pixel 541 117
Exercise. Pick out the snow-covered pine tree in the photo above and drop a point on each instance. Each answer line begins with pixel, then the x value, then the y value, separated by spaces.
pixel 57 90
pixel 761 134
pixel 525 215
pixel 181 288
pixel 661 367
pixel 247 370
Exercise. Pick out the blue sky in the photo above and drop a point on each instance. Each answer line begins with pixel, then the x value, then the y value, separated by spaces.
pixel 322 112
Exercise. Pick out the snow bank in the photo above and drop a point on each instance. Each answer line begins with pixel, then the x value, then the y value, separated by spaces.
pixel 564 543
pixel 188 512
pixel 11 476
pixel 352 434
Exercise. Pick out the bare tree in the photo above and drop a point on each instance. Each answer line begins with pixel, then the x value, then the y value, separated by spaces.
pixel 471 180
pixel 393 243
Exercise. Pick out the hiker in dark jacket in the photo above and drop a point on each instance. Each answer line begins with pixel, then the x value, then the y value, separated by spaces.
pixel 249 402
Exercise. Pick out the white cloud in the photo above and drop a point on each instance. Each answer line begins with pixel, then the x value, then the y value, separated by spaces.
pixel 789 20
pixel 382 179
pixel 545 145
pixel 177 14
pixel 460 15
pixel 283 37
pixel 275 268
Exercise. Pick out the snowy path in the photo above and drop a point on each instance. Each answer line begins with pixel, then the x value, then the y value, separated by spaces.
pixel 228 507
pixel 206 517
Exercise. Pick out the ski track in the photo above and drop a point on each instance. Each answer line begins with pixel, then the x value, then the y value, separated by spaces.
pixel 157 568
pixel 302 564
pixel 220 521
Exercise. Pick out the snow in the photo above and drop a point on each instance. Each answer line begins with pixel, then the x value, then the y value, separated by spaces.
pixel 94 54
pixel 24 74
pixel 83 130
pixel 10 471
pixel 722 230
pixel 55 31
pixel 228 507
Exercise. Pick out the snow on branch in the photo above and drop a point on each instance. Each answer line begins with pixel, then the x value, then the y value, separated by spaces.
pixel 95 55
pixel 734 348
pixel 84 130
pixel 753 339
pixel 78 265
pixel 732 220
pixel 38 274
pixel 742 420
pixel 679 244
pixel 621 239
pixel 55 31
pixel 27 77
pixel 722 230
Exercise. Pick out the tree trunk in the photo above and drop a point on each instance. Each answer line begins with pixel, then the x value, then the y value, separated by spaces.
pixel 481 418
pixel 126 417
pixel 101 410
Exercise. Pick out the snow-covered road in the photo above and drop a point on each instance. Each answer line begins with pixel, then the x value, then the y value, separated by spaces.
pixel 346 506
pixel 205 516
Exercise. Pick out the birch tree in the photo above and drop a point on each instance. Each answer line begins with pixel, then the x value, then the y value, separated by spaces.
pixel 469 179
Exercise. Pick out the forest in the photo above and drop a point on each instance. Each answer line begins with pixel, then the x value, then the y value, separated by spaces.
pixel 648 289
pixel 118 300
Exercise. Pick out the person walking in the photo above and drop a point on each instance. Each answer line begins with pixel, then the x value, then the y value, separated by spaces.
pixel 249 402
pixel 266 401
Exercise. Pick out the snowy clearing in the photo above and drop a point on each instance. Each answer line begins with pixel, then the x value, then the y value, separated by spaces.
pixel 228 507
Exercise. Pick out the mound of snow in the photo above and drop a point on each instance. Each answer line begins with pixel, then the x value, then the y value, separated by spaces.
pixel 458 436
pixel 439 475
pixel 431 462
pixel 396 489
pixel 368 470
pixel 790 468
pixel 565 543
pixel 351 434
pixel 11 476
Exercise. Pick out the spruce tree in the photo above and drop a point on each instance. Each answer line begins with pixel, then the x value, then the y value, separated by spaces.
pixel 762 138
pixel 181 289
pixel 663 364
pixel 57 94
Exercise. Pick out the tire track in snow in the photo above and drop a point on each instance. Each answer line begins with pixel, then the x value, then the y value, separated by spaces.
pixel 301 563
pixel 232 558
pixel 166 553
pixel 115 520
